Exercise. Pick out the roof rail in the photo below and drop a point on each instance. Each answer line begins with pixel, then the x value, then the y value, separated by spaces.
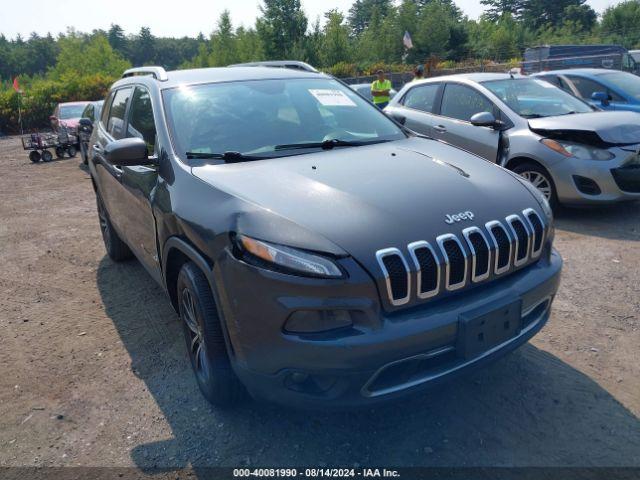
pixel 158 73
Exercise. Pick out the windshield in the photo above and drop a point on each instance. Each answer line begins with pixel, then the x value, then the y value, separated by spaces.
pixel 255 117
pixel 625 82
pixel 533 98
pixel 71 111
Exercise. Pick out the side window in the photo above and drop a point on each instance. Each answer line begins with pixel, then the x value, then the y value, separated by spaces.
pixel 141 122
pixel 552 79
pixel 115 123
pixel 104 116
pixel 462 102
pixel 422 97
pixel 585 86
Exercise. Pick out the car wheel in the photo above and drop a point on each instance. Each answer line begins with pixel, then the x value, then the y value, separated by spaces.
pixel 46 156
pixel 71 150
pixel 59 152
pixel 540 179
pixel 117 250
pixel 204 338
pixel 34 156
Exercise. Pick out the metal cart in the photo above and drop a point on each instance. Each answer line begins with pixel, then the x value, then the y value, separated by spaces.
pixel 40 145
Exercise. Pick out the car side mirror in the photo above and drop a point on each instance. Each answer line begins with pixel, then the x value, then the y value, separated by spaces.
pixel 53 118
pixel 127 152
pixel 602 97
pixel 485 119
pixel 86 123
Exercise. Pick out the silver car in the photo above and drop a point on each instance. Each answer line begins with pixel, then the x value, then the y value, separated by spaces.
pixel 570 152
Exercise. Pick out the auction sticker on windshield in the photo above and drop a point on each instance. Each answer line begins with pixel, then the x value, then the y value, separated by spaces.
pixel 332 98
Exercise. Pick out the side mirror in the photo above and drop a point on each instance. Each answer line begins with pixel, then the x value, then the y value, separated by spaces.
pixel 53 118
pixel 485 119
pixel 86 124
pixel 602 97
pixel 127 152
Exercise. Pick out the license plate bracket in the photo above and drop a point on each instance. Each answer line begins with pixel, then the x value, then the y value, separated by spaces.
pixel 482 329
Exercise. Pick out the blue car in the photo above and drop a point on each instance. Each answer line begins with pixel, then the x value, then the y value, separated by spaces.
pixel 602 88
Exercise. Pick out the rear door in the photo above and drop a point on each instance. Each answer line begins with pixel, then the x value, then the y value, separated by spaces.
pixel 459 103
pixel 417 109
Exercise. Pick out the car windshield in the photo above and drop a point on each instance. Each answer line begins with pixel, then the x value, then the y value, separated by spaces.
pixel 533 98
pixel 625 82
pixel 272 118
pixel 71 111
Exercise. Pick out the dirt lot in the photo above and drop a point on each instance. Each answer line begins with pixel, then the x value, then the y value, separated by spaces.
pixel 93 369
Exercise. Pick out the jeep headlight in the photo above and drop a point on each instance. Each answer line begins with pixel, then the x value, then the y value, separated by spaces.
pixel 577 150
pixel 287 259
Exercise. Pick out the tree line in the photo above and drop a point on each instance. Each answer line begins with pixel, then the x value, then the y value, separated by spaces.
pixel 369 33
pixel 77 65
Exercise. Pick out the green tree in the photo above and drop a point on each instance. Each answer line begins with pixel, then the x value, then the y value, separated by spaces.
pixel 362 11
pixel 281 28
pixel 223 42
pixel 496 9
pixel 80 57
pixel 621 23
pixel 118 40
pixel 335 41
pixel 248 45
pixel 143 48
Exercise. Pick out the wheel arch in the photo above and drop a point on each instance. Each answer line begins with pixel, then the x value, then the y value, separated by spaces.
pixel 517 161
pixel 177 252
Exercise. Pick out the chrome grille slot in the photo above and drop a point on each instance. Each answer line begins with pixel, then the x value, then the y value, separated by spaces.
pixel 537 229
pixel 521 239
pixel 427 268
pixel 480 253
pixel 455 261
pixel 397 275
pixel 502 246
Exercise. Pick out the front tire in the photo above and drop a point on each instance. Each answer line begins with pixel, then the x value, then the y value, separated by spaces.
pixel 117 250
pixel 204 338
pixel 541 179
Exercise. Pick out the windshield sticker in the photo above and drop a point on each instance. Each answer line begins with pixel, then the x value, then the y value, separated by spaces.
pixel 332 98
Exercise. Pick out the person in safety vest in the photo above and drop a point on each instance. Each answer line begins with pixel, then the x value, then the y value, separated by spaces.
pixel 380 89
pixel 418 73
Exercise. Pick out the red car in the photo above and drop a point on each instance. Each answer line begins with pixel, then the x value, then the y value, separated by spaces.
pixel 67 115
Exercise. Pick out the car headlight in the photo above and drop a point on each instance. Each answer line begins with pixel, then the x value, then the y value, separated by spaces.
pixel 577 150
pixel 288 259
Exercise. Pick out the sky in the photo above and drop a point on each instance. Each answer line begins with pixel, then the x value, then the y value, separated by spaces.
pixel 182 18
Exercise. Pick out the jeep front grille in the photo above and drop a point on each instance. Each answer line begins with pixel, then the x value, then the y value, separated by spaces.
pixel 481 253
pixel 397 275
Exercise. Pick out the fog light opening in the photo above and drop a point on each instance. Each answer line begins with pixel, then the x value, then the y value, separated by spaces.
pixel 317 321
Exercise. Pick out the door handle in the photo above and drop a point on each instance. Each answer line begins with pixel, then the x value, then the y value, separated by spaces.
pixel 440 128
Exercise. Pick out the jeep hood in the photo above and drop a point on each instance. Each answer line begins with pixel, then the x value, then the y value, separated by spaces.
pixel 362 199
pixel 599 129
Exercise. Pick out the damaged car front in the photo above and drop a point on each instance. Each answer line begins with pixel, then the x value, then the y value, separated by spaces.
pixel 589 156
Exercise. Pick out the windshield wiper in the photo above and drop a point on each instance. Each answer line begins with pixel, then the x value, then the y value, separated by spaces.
pixel 327 144
pixel 228 157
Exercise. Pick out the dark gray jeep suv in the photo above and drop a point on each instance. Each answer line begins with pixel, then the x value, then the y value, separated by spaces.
pixel 316 251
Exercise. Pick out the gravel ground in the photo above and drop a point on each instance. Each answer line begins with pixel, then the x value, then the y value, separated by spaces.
pixel 93 370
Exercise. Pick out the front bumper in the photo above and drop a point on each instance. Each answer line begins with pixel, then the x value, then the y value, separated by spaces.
pixel 385 355
pixel 595 182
